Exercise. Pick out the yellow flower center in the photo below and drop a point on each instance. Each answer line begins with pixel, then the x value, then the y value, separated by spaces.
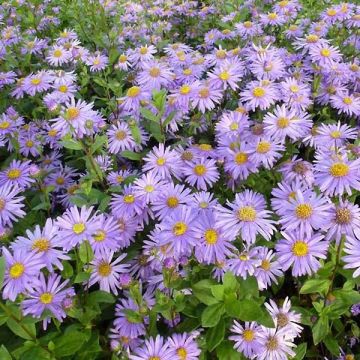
pixel 119 179
pixel 294 88
pixel 263 147
pixel 60 180
pixel 258 92
pixel 211 236
pixel 200 169
pixel 154 358
pixel 133 91
pixel 129 199
pixel 41 245
pixel 325 52
pixel 46 298
pixel 52 132
pixel 336 134
pixel 185 89
pixel 179 228
pixel 99 236
pixel 122 58
pixel 187 72
pixel 78 228
pixel 244 257
pixel 293 27
pixel 339 169
pixel 57 53
pixel 16 270
pixel 181 353
pixel 234 126
pixel 272 16
pixel 35 81
pixel 283 123
pixel 292 195
pixel 120 135
pixel 149 188
pixel 248 335
pixel 154 72
pixel 300 248
pixel 303 211
pixel 205 147
pixel 160 161
pixel 312 38
pixel 104 269
pixel 282 319
pixel 204 92
pixel 143 50
pixel 4 125
pixel 224 76
pixel 96 61
pixel 14 174
pixel 2 204
pixel 63 88
pixel 265 265
pixel 241 158
pixel 29 143
pixel 347 100
pixel 331 12
pixel 221 54
pixel 272 343
pixel 247 213
pixel 343 216
pixel 172 202
pixel 72 113
pixel 247 24
pixel 204 204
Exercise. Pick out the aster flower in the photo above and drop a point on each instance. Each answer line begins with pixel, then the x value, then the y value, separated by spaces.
pixel 22 268
pixel 120 138
pixel 247 216
pixel 17 174
pixel 97 62
pixel 128 203
pixel 154 75
pixel 298 169
pixel 243 264
pixel 301 252
pixel 346 103
pixel 185 346
pixel 148 187
pixel 76 226
pixel 352 257
pixel 134 96
pixel 58 55
pixel 266 152
pixel 228 74
pixel 154 349
pixel 334 135
pixel 47 295
pixel 201 173
pixel 44 241
pixel 245 338
pixel 324 55
pixel 204 201
pixel 10 204
pixel 38 82
pixel 206 97
pixel 106 272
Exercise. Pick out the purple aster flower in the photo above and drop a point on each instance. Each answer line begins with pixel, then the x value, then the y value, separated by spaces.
pixel 204 201
pixel 44 241
pixel 149 187
pixel 106 272
pixel 120 138
pixel 245 338
pixel 17 174
pixel 118 177
pixel 47 295
pixel 185 346
pixel 201 173
pixel 10 205
pixel 301 252
pixel 247 216
pixel 38 82
pixel 154 75
pixel 298 169
pixel 154 349
pixel 228 74
pixel 266 151
pixel 352 257
pixel 267 66
pixel 244 264
pixel 58 55
pixel 134 95
pixel 97 62
pixel 22 268
pixel 334 135
pixel 346 103
pixel 335 174
pixel 75 227
pixel 206 97
pixel 324 55
pixel 306 211
pixel 178 231
pixel 128 203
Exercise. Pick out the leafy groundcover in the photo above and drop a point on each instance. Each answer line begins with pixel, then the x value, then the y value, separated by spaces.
pixel 179 180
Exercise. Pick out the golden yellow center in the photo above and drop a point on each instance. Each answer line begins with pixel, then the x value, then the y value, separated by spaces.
pixel 325 52
pixel 200 169
pixel 63 88
pixel 160 161
pixel 29 143
pixel 343 216
pixel 99 236
pixel 331 12
pixel 129 199
pixel 119 179
pixel 265 264
pixel 57 53
pixel 224 76
pixel 181 353
pixel 35 81
pixel 272 343
pixel 41 245
pixel 149 188
pixel 300 248
pixel 258 92
pixel 143 50
pixel 312 38
pixel 16 270
pixel 241 158
pixel 179 228
pixel 282 319
pixel 52 132
pixel 72 113
pixel 204 92
pixel 104 269
pixel 234 126
pixel 247 213
pixel 205 147
pixel 303 211
pixel 122 58
pixel 221 54
pixel 13 174
pixel 211 236
pixel 154 72
pixel 2 204
pixel 46 298
pixel 154 358
pixel 272 16
pixel 347 100
pixel 263 147
pixel 248 335
pixel 133 91
pixel 78 228
pixel 4 125
pixel 294 88
pixel 339 169
pixel 187 72
pixel 185 89
pixel 283 122
pixel 172 202
pixel 120 135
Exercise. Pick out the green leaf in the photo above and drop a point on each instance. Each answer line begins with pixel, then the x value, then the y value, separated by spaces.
pixel 81 277
pixel 148 114
pixel 321 329
pixel 212 314
pixel 133 316
pixel 100 296
pixel 4 354
pixel 218 291
pixel 69 343
pixel 2 270
pixel 68 271
pixel 71 144
pixel 36 352
pixel 25 331
pixel 230 282
pixel 300 351
pixel 159 99
pixel 249 287
pixel 226 351
pixel 100 140
pixel 135 132
pixel 215 335
pixel 332 345
pixel 131 155
pixel 86 252
pixel 202 291
pixel 168 119
pixel 315 286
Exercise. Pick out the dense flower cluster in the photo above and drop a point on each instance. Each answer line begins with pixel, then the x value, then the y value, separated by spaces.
pixel 165 155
